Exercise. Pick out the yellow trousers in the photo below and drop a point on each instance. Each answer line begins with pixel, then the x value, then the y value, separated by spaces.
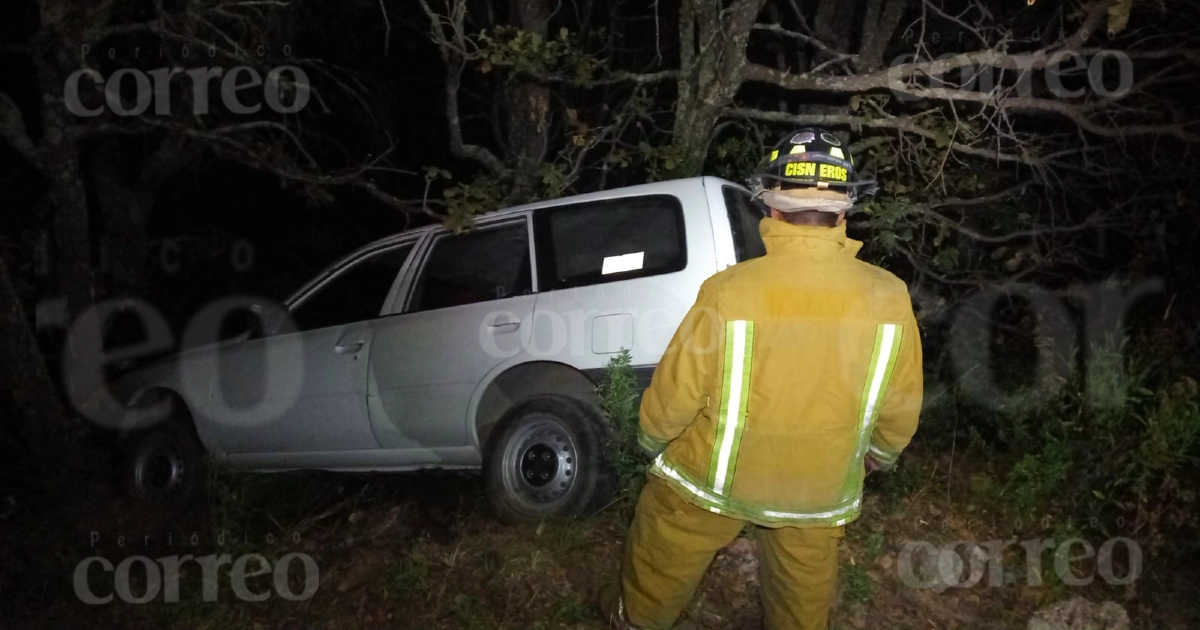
pixel 672 542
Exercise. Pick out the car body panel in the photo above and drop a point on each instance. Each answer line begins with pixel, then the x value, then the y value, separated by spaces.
pixel 409 397
pixel 426 364
pixel 279 393
pixel 299 381
pixel 585 327
pixel 722 235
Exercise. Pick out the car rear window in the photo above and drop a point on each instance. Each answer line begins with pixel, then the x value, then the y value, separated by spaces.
pixel 594 243
pixel 744 216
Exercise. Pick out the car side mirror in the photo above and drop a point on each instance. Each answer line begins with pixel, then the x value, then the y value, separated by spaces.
pixel 266 320
pixel 254 321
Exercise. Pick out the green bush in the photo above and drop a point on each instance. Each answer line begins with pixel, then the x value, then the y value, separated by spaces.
pixel 1110 448
pixel 1036 477
pixel 619 393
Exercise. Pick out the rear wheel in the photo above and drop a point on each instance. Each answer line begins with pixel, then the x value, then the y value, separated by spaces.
pixel 546 459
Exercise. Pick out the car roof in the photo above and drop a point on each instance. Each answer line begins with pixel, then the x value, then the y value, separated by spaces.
pixel 484 219
pixel 614 193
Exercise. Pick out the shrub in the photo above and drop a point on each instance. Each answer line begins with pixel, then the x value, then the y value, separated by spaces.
pixel 619 396
pixel 1111 447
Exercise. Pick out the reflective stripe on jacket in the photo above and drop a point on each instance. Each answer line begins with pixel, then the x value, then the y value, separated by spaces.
pixel 788 370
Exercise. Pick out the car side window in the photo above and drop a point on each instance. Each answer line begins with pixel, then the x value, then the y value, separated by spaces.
pixel 593 243
pixel 744 217
pixel 480 265
pixel 355 294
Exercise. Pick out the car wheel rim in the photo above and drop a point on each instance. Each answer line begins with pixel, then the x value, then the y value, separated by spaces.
pixel 540 464
pixel 159 470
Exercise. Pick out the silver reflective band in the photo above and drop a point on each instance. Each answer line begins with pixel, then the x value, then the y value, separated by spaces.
pixel 881 455
pixel 732 400
pixel 883 359
pixel 666 469
pixel 881 363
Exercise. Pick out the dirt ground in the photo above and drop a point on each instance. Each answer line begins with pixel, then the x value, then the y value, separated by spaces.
pixel 422 552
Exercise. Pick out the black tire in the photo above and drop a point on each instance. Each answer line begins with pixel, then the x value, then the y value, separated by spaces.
pixel 164 466
pixel 547 459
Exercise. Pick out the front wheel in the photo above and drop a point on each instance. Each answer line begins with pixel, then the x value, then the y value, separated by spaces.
pixel 164 466
pixel 545 460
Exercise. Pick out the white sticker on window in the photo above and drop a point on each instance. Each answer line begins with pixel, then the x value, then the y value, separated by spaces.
pixel 626 262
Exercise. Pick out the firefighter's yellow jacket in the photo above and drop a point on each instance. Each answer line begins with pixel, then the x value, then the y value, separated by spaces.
pixel 787 372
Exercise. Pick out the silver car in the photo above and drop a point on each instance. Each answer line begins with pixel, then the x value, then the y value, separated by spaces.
pixel 430 349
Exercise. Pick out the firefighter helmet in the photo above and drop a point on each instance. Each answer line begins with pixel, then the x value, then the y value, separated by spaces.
pixel 811 164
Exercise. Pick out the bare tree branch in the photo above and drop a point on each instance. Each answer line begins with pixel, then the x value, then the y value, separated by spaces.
pixel 452 57
pixel 387 32
pixel 907 124
pixel 808 39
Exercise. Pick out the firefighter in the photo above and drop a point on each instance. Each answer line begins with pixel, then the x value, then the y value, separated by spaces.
pixel 793 375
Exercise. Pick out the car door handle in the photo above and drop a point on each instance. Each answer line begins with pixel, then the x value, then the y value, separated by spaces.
pixel 504 326
pixel 348 348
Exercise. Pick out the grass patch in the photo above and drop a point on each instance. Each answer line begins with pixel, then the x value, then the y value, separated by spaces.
pixel 899 484
pixel 470 612
pixel 856 584
pixel 873 548
pixel 572 609
pixel 409 576
pixel 1110 449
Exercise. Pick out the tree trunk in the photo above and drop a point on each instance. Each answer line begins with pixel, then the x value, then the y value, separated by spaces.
pixel 527 110
pixel 126 242
pixel 23 371
pixel 833 22
pixel 879 25
pixel 712 61
pixel 127 206
pixel 59 159
pixel 62 163
pixel 72 231
pixel 528 113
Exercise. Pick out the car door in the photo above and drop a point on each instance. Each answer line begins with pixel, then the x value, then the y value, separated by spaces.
pixel 467 309
pixel 303 390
